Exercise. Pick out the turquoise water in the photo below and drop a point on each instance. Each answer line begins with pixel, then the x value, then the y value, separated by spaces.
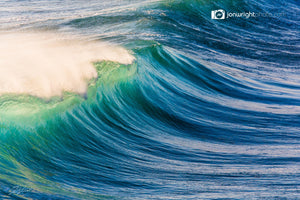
pixel 209 109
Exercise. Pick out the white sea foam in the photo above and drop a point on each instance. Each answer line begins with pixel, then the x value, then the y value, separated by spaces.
pixel 46 64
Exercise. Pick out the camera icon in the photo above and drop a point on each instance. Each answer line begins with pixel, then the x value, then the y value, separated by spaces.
pixel 218 14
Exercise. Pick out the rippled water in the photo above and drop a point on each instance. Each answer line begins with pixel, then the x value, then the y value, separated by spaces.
pixel 208 109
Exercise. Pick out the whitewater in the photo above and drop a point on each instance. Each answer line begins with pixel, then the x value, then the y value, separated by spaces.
pixel 47 64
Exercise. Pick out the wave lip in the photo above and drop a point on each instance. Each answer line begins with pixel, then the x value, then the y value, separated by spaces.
pixel 47 64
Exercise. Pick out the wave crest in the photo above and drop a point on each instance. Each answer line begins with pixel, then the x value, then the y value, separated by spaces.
pixel 47 64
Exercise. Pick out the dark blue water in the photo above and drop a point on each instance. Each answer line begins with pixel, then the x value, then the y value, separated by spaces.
pixel 210 109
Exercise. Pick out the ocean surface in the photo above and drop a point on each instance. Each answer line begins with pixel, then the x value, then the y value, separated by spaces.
pixel 126 99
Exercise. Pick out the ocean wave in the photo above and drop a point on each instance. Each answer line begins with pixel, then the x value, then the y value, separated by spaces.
pixel 199 109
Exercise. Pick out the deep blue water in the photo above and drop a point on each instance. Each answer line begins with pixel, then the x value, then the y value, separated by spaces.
pixel 210 109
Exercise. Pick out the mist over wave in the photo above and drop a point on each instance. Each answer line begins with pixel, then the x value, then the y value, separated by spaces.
pixel 47 64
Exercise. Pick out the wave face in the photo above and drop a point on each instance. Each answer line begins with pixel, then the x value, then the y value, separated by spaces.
pixel 206 109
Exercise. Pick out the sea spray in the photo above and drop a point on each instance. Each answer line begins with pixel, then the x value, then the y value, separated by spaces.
pixel 47 64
